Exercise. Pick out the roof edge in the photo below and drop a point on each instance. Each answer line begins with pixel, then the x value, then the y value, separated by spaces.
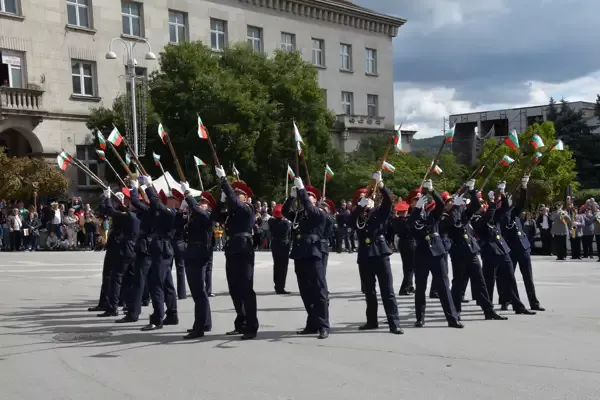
pixel 396 21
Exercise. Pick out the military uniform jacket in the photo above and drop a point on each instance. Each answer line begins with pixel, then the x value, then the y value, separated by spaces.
pixel 329 224
pixel 310 231
pixel 199 229
pixel 146 221
pixel 403 229
pixel 125 229
pixel 163 227
pixel 181 219
pixel 371 228
pixel 425 227
pixel 239 222
pixel 512 228
pixel 488 231
pixel 280 230
pixel 457 225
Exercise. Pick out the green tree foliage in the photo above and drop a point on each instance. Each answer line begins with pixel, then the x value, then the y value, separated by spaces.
pixel 549 180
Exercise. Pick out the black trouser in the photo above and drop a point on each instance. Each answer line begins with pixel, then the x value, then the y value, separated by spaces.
pixel 15 240
pixel 120 268
pixel 349 242
pixel 587 243
pixel 560 246
pixel 281 259
pixel 546 238
pixel 239 269
pixel 339 236
pixel 378 269
pixel 407 253
pixel 523 258
pixel 160 282
pixel 501 264
pixel 141 289
pixel 313 291
pixel 575 247
pixel 465 267
pixel 179 256
pixel 439 270
pixel 195 269
pixel 208 274
pixel 111 258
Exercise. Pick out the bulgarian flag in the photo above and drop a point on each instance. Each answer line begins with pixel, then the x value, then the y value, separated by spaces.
pixel 299 148
pixel 481 170
pixel 297 134
pixel 290 172
pixel 536 141
pixel 506 161
pixel 162 133
pixel 202 131
pixel 127 159
pixel 559 146
pixel 512 140
pixel 388 167
pixel 101 155
pixel 449 135
pixel 199 162
pixel 398 140
pixel 537 157
pixel 437 170
pixel 156 159
pixel 63 160
pixel 101 141
pixel 115 137
pixel 235 171
pixel 328 172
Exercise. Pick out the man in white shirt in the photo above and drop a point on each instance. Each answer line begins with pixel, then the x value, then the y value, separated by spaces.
pixel 15 227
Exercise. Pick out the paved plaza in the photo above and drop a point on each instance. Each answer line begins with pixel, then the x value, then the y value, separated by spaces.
pixel 51 348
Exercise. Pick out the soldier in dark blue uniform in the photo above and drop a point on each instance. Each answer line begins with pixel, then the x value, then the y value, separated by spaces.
pixel 512 230
pixel 495 253
pixel 374 257
pixel 431 256
pixel 130 225
pixel 456 223
pixel 239 254
pixel 160 280
pixel 178 244
pixel 280 230
pixel 342 229
pixel 407 247
pixel 329 223
pixel 307 253
pixel 199 229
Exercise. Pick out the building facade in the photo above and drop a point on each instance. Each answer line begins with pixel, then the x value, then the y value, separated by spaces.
pixel 466 145
pixel 53 66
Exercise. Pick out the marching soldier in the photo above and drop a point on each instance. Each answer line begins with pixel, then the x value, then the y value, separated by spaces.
pixel 239 254
pixel 130 226
pixel 431 253
pixel 495 253
pixel 406 244
pixel 178 244
pixel 374 257
pixel 329 224
pixel 198 256
pixel 280 229
pixel 307 253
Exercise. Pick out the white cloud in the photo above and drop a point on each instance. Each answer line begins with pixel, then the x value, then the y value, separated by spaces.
pixel 428 107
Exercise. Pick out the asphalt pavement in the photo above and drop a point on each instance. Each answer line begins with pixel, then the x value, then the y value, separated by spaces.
pixel 51 348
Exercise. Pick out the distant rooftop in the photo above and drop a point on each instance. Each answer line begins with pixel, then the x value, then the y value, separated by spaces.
pixel 398 20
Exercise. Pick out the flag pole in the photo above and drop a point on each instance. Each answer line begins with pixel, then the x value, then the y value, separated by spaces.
pixel 285 182
pixel 199 176
pixel 115 172
pixel 212 148
pixel 165 175
pixel 324 181
pixel 134 155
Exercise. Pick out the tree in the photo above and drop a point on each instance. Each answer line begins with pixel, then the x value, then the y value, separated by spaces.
pixel 549 180
pixel 19 174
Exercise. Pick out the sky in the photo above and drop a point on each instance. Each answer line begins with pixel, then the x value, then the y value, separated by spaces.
pixel 459 56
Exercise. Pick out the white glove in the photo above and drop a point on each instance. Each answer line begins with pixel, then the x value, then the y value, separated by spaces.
pixel 363 202
pixel 294 192
pixel 492 195
pixel 146 180
pixel 502 186
pixel 183 205
pixel 509 199
pixel 421 202
pixel 298 183
pixel 524 181
pixel 185 187
pixel 134 184
pixel 223 197
pixel 220 172
pixel 377 176
pixel 107 193
pixel 428 184
pixel 459 200
pixel 470 184
pixel 249 200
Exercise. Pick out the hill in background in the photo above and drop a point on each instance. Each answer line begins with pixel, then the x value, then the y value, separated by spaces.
pixel 428 145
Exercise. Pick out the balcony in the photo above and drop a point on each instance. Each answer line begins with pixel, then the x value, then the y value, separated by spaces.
pixel 23 102
pixel 362 122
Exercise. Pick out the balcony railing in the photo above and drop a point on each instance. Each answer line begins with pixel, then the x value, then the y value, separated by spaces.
pixel 21 101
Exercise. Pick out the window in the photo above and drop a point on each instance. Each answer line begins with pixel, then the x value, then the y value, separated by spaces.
pixel 318 52
pixel 82 73
pixel 371 60
pixel 131 16
pixel 324 95
pixel 372 102
pixel 87 156
pixel 177 27
pixel 11 69
pixel 8 6
pixel 218 34
pixel 288 41
pixel 255 38
pixel 346 57
pixel 78 13
pixel 348 103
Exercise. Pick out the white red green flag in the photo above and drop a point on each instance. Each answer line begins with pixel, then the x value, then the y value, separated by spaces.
pixel 559 146
pixel 156 158
pixel 127 159
pixel 199 162
pixel 162 133
pixel 63 160
pixel 398 140
pixel 388 167
pixel 299 148
pixel 101 155
pixel 235 171
pixel 290 172
pixel 115 137
pixel 506 161
pixel 512 140
pixel 101 141
pixel 537 157
pixel 297 136
pixel 328 172
pixel 449 135
pixel 481 170
pixel 536 141
pixel 202 131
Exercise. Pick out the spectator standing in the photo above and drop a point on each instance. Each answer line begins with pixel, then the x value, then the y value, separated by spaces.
pixel 587 240
pixel 33 225
pixel 71 222
pixel 15 228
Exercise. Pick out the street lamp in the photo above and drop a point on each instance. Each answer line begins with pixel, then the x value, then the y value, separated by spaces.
pixel 111 55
